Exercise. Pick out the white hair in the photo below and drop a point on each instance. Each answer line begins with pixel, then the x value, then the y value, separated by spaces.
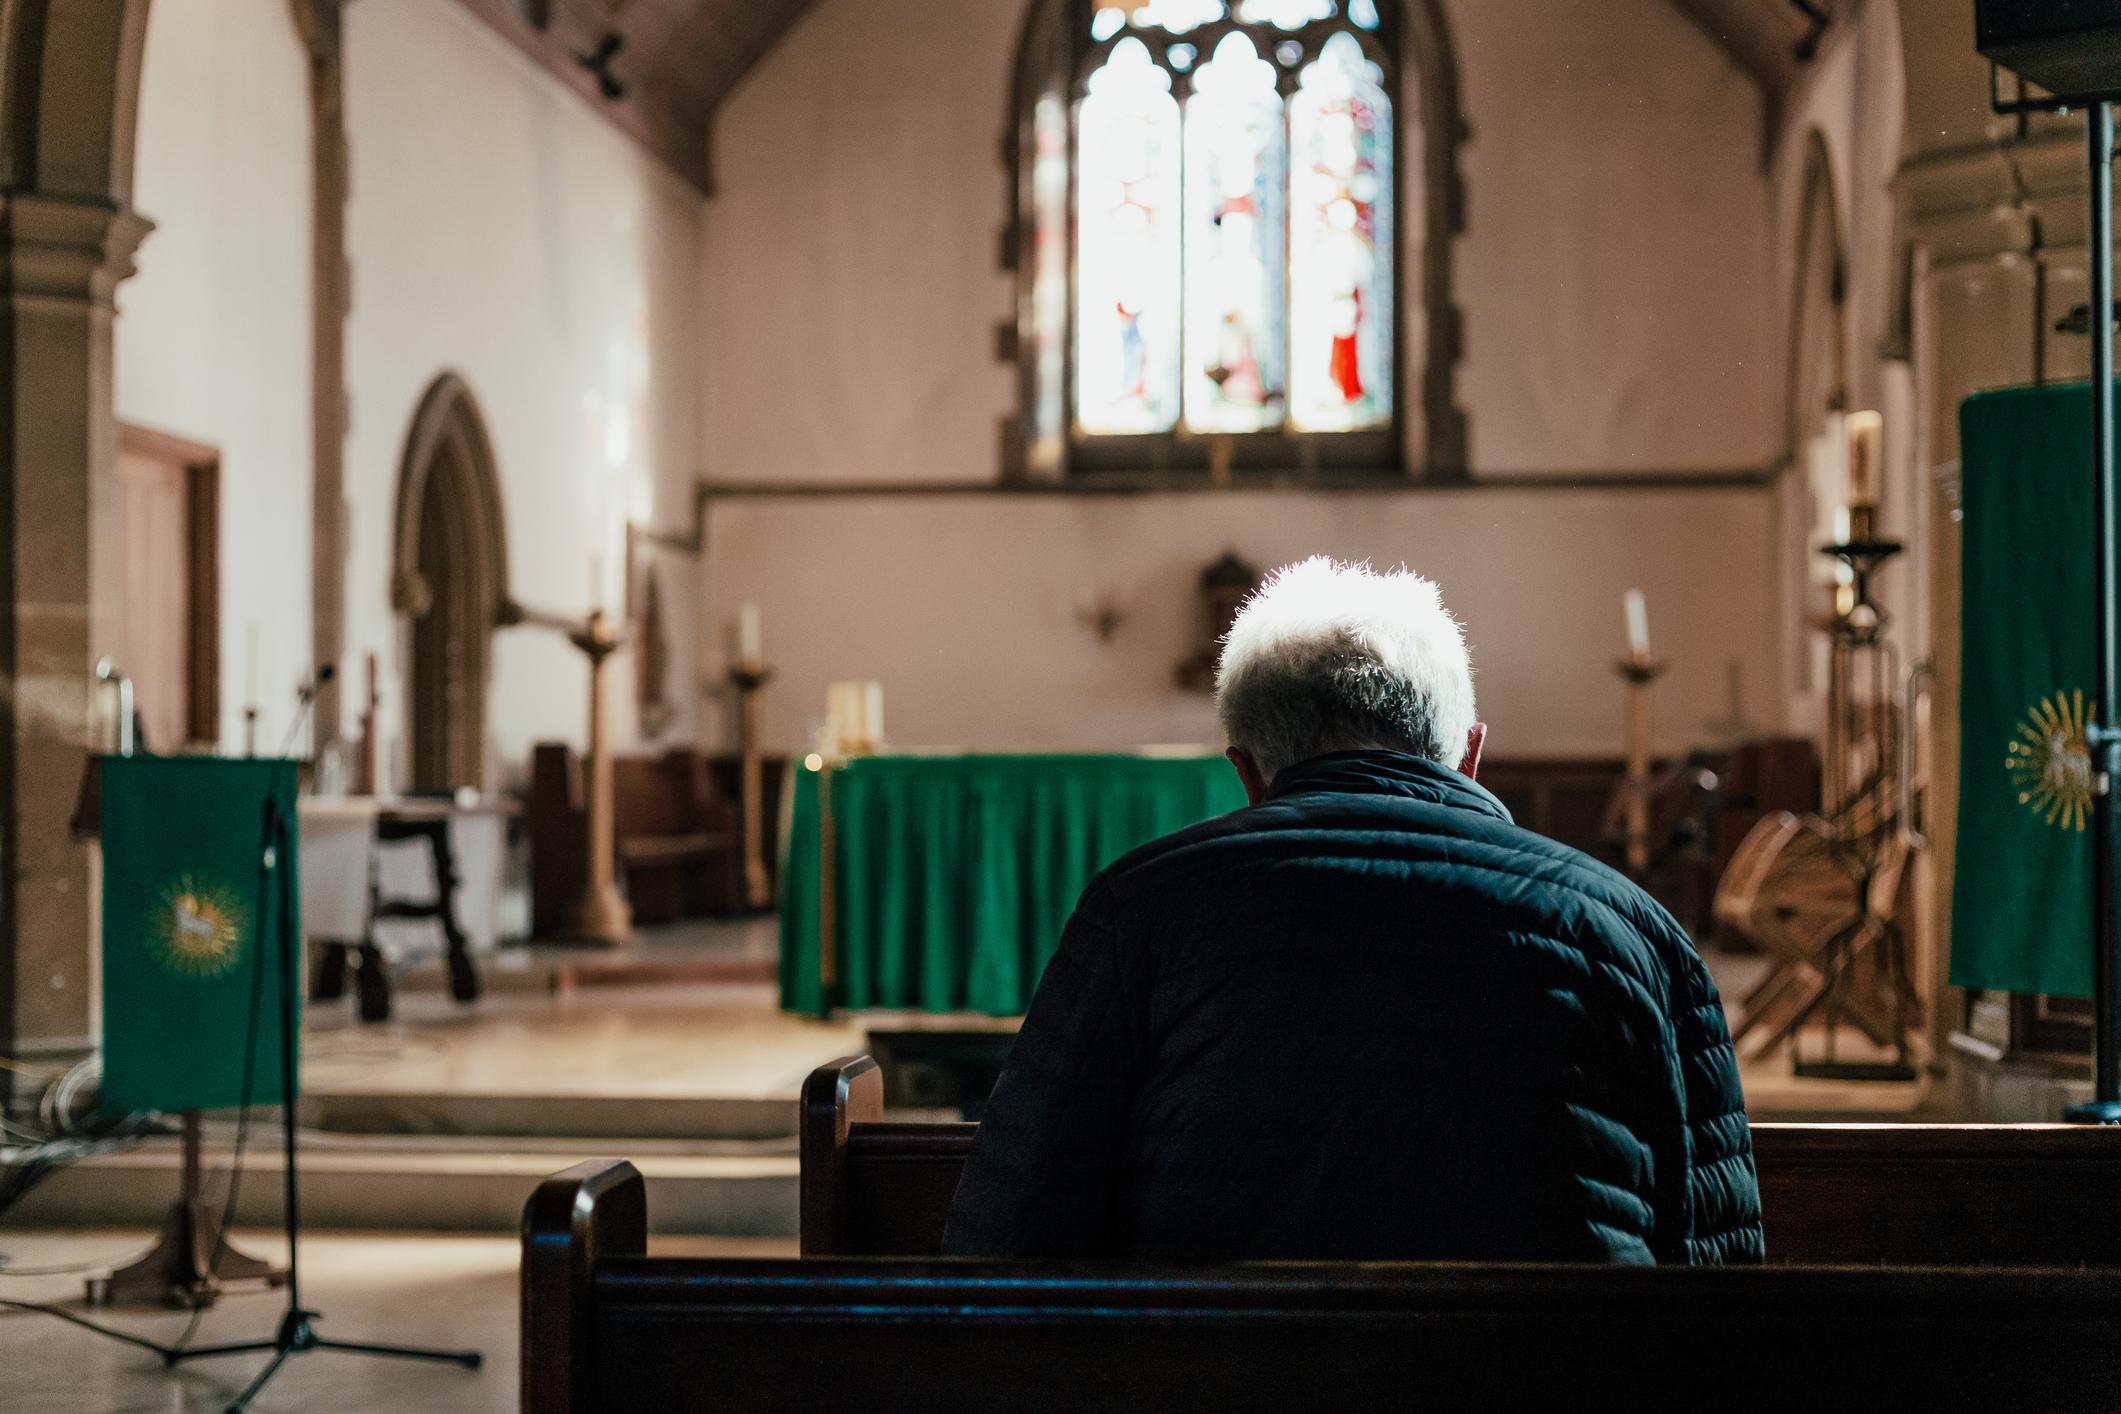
pixel 1340 657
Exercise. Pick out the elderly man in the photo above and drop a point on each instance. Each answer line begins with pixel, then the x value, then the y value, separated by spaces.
pixel 1368 1017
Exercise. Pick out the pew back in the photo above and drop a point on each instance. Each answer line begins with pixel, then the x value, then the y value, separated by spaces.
pixel 607 1328
pixel 1912 1195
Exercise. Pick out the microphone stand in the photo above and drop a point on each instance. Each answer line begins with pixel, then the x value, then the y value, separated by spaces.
pixel 296 1334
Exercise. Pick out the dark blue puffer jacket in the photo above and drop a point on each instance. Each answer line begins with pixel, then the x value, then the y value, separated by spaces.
pixel 1370 1018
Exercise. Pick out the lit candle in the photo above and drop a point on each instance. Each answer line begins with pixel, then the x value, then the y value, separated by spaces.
pixel 1638 624
pixel 747 636
pixel 1866 437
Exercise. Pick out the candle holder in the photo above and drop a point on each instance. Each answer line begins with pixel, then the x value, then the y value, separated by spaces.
pixel 1862 624
pixel 1638 671
pixel 748 679
pixel 601 914
pixel 1865 815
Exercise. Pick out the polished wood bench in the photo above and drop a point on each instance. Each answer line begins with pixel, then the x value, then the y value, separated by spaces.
pixel 606 1327
pixel 1917 1195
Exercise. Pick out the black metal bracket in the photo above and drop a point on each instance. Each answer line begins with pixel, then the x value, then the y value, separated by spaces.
pixel 2030 102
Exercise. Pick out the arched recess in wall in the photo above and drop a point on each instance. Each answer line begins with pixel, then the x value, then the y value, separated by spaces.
pixel 449 579
pixel 1815 393
pixel 1431 130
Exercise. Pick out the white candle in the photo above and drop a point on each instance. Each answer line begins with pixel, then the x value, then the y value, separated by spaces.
pixel 873 713
pixel 747 636
pixel 1866 437
pixel 250 666
pixel 1638 624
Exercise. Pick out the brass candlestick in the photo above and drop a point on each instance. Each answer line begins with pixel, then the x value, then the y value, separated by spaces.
pixel 1638 671
pixel 748 679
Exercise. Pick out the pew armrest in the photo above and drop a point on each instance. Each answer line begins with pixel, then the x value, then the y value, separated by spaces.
pixel 836 1097
pixel 575 1219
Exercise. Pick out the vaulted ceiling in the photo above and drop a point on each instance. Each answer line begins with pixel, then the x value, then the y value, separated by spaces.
pixel 675 61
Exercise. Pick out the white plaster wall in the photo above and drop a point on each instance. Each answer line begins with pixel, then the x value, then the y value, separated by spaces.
pixel 213 332
pixel 499 229
pixel 1614 268
pixel 852 288
pixel 1615 280
pixel 965 608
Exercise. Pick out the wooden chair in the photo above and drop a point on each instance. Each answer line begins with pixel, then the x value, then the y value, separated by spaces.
pixel 1904 1194
pixel 605 1327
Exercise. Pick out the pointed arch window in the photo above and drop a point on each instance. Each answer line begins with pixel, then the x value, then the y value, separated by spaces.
pixel 1210 236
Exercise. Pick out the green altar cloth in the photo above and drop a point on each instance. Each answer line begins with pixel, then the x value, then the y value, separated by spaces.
pixel 955 874
pixel 2021 887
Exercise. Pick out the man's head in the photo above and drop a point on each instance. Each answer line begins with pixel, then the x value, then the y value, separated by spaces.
pixel 1332 657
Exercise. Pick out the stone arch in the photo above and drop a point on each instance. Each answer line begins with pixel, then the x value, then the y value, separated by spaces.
pixel 449 580
pixel 1815 386
pixel 1816 371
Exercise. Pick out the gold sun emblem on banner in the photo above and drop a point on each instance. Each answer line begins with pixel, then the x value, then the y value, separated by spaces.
pixel 2050 763
pixel 196 927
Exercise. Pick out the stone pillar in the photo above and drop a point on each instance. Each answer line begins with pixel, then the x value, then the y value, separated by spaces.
pixel 319 22
pixel 60 259
pixel 69 85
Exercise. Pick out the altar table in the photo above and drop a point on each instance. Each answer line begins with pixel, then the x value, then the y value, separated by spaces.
pixel 951 876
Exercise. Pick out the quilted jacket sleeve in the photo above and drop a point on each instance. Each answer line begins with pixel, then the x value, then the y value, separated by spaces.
pixel 1044 1176
pixel 1720 1222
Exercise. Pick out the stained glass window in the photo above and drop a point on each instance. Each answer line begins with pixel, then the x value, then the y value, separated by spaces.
pixel 1340 243
pixel 1234 228
pixel 1285 14
pixel 1177 16
pixel 1127 248
pixel 1236 223
pixel 1048 287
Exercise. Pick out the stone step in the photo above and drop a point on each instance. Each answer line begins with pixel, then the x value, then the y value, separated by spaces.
pixel 605 1116
pixel 448 1185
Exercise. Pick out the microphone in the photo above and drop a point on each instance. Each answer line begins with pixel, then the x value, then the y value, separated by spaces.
pixel 305 701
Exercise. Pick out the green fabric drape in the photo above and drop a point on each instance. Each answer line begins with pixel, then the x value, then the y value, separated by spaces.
pixel 2021 885
pixel 955 874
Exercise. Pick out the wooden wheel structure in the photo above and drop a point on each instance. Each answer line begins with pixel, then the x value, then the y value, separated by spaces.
pixel 1820 897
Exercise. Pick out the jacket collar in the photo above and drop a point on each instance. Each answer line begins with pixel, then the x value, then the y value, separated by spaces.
pixel 1386 773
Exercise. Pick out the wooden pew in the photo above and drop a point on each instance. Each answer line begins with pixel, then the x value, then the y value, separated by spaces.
pixel 607 1328
pixel 676 836
pixel 1911 1195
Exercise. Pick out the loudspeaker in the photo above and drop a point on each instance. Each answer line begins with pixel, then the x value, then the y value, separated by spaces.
pixel 2068 47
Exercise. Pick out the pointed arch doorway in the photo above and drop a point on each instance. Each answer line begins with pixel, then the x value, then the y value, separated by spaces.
pixel 449 578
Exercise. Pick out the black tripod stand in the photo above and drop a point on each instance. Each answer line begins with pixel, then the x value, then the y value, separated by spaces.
pixel 297 1334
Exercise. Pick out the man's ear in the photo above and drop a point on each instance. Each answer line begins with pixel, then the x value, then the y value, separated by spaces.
pixel 1469 766
pixel 1248 772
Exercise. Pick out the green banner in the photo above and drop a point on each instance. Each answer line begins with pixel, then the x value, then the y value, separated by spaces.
pixel 2021 885
pixel 190 975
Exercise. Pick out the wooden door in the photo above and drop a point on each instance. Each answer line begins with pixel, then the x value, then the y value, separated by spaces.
pixel 168 635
